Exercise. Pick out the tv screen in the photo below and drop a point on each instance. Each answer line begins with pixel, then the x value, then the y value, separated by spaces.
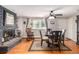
pixel 9 19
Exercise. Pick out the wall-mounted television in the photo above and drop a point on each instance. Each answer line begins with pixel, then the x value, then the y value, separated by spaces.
pixel 9 20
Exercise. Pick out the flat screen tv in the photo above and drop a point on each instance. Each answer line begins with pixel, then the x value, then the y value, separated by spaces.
pixel 9 20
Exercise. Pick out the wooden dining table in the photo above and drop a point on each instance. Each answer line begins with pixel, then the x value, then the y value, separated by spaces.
pixel 53 34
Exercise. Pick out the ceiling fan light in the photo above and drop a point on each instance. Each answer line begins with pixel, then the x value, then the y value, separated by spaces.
pixel 51 17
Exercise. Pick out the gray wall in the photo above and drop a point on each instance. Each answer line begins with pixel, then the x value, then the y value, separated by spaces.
pixel 1 25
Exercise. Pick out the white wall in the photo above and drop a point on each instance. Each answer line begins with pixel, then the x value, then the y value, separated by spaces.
pixel 65 23
pixel 21 26
pixel 72 28
pixel 60 23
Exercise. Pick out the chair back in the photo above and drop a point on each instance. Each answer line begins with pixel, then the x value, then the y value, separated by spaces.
pixel 57 35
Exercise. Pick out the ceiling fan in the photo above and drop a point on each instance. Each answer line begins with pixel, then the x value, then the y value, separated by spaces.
pixel 53 15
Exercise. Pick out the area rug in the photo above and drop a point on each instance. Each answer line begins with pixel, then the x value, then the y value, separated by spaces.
pixel 36 46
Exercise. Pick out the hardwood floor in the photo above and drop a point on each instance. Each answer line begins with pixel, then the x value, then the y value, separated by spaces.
pixel 22 48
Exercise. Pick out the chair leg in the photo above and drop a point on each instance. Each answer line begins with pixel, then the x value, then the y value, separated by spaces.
pixel 52 44
pixel 48 44
pixel 59 45
pixel 41 43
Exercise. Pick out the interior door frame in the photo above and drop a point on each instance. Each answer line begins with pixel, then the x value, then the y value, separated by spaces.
pixel 77 21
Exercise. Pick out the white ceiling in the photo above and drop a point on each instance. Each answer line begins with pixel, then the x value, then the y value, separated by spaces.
pixel 43 10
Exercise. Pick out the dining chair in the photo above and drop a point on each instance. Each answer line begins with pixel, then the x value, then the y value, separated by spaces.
pixel 43 38
pixel 56 41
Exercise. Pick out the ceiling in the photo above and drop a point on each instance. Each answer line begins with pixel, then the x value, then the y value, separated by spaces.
pixel 43 10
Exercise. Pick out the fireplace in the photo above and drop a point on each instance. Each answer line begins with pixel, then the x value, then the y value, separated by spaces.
pixel 8 34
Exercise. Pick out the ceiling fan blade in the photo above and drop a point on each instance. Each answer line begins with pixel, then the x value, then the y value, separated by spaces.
pixel 56 9
pixel 59 8
pixel 58 14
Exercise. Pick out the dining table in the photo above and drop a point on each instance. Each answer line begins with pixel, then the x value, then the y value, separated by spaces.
pixel 53 34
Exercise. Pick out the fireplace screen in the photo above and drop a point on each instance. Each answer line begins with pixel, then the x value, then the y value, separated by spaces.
pixel 8 34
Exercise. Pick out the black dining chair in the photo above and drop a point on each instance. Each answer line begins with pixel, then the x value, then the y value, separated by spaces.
pixel 43 38
pixel 56 40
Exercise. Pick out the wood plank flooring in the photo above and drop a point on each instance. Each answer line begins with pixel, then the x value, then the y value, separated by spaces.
pixel 22 48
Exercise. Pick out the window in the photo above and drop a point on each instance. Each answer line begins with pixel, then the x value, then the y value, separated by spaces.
pixel 37 23
pixel 9 19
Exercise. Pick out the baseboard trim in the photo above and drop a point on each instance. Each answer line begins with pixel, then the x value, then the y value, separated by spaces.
pixel 34 38
pixel 70 39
